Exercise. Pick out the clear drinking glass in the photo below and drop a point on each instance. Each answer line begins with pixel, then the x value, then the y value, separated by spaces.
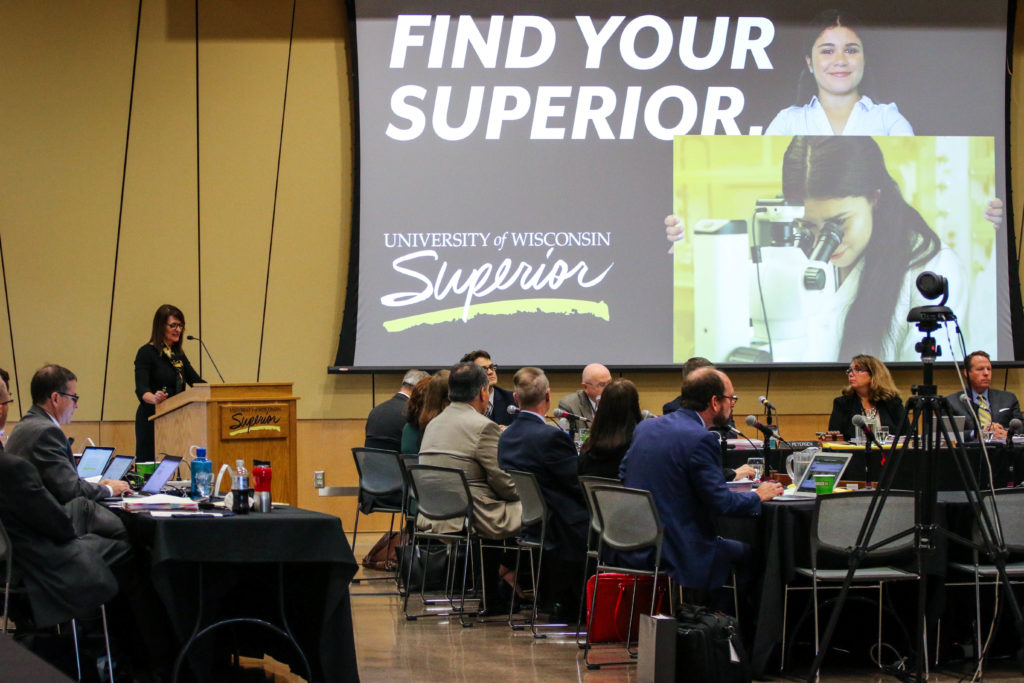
pixel 758 465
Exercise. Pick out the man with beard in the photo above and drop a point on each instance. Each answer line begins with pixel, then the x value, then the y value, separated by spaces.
pixel 676 458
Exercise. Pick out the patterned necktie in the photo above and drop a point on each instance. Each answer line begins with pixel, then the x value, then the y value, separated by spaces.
pixel 984 414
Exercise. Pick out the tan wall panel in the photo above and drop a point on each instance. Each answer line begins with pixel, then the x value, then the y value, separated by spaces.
pixel 241 91
pixel 66 103
pixel 157 255
pixel 314 209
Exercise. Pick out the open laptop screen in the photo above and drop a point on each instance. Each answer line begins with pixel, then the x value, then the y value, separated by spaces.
pixel 830 463
pixel 93 461
pixel 118 467
pixel 163 473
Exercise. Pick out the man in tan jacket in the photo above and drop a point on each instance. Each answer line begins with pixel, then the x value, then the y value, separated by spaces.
pixel 462 437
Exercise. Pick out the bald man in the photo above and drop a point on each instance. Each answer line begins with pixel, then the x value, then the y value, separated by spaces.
pixel 584 401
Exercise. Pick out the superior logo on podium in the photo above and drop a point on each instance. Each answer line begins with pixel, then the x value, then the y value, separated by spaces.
pixel 266 421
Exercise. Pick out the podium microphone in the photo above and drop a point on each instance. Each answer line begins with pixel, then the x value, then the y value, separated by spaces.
pixel 1015 427
pixel 765 429
pixel 208 355
pixel 647 415
pixel 512 410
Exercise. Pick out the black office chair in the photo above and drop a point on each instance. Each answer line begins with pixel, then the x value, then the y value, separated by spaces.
pixel 1006 506
pixel 382 487
pixel 587 483
pixel 442 494
pixel 535 515
pixel 12 585
pixel 834 528
pixel 629 522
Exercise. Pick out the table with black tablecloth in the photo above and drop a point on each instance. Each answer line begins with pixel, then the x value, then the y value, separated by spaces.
pixel 240 558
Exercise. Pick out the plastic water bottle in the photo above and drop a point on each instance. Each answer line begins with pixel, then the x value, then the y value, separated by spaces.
pixel 202 475
pixel 240 489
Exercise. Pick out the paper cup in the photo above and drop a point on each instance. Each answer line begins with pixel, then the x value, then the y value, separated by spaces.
pixel 824 483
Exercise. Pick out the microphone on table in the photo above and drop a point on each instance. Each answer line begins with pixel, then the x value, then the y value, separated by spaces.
pixel 512 410
pixel 208 354
pixel 647 415
pixel 765 429
pixel 865 426
pixel 1015 427
pixel 558 412
pixel 768 407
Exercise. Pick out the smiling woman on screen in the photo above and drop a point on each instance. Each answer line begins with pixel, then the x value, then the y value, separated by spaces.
pixel 836 61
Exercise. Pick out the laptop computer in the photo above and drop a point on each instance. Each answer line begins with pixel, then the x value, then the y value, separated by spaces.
pixel 118 467
pixel 164 471
pixel 93 461
pixel 822 463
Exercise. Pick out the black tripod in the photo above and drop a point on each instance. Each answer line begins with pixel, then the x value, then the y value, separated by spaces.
pixel 926 407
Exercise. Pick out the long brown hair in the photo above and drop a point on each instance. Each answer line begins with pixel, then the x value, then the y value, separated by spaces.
pixel 435 398
pixel 160 318
pixel 618 413
pixel 882 386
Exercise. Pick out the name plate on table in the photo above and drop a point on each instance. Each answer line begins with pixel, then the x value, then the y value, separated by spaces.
pixel 262 421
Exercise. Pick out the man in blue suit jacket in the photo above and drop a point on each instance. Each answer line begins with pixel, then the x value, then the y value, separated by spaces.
pixel 675 457
pixel 529 444
pixel 1002 405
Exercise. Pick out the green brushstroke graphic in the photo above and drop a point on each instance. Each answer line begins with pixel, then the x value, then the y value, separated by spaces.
pixel 598 309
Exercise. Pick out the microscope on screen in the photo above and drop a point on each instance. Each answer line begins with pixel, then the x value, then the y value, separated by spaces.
pixel 784 270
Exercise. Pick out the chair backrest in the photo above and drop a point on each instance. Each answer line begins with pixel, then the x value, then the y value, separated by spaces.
pixel 629 518
pixel 1010 504
pixel 588 482
pixel 838 518
pixel 535 510
pixel 380 471
pixel 442 493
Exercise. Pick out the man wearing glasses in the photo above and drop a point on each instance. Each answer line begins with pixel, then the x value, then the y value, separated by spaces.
pixel 584 401
pixel 675 457
pixel 501 399
pixel 39 439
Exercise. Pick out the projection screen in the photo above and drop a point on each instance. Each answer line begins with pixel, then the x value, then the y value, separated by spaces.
pixel 517 162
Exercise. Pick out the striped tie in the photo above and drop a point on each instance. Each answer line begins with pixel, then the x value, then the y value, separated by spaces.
pixel 984 414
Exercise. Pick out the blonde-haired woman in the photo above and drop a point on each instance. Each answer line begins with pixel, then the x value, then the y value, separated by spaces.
pixel 871 393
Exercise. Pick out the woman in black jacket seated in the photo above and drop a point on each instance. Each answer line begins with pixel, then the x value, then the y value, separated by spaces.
pixel 612 431
pixel 871 393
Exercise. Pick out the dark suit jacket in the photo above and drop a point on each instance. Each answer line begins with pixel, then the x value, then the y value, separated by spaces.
pixel 37 439
pixel 1002 404
pixel 676 458
pixel 65 571
pixel 530 445
pixel 503 398
pixel 385 422
pixel 890 413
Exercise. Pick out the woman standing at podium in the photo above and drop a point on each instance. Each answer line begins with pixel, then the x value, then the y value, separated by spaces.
pixel 161 370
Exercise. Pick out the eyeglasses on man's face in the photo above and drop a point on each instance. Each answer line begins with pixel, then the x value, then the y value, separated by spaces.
pixel 73 397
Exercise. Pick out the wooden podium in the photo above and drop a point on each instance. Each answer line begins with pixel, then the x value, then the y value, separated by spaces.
pixel 234 421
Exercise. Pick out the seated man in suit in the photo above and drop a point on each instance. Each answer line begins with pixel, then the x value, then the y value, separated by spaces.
pixel 583 402
pixel 531 445
pixel 462 437
pixel 498 399
pixel 993 407
pixel 38 438
pixel 675 457
pixel 385 422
